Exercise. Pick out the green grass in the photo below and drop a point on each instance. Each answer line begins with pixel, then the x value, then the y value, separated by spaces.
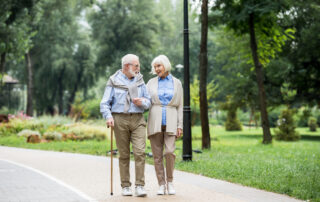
pixel 291 168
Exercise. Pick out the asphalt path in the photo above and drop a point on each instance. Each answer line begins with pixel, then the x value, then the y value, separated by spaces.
pixel 34 175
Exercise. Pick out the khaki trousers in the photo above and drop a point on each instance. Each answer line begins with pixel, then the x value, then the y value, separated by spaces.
pixel 130 128
pixel 158 141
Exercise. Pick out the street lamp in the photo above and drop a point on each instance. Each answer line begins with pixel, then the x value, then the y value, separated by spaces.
pixel 187 146
pixel 179 67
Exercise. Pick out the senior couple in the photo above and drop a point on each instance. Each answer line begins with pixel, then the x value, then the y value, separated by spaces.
pixel 125 99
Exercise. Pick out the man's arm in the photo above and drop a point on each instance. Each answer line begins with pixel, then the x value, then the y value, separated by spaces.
pixel 146 102
pixel 105 104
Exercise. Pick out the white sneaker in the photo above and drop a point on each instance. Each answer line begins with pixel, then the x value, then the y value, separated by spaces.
pixel 162 190
pixel 171 190
pixel 126 191
pixel 140 191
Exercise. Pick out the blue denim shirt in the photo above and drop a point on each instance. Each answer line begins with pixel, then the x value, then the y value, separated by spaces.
pixel 114 98
pixel 165 93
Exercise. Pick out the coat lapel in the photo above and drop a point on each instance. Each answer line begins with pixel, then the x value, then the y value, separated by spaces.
pixel 174 91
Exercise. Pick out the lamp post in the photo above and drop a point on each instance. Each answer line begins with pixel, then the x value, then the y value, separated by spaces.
pixel 187 146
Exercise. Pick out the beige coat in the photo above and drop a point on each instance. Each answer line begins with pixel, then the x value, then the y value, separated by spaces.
pixel 174 110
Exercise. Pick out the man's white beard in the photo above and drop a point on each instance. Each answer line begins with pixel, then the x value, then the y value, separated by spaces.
pixel 132 73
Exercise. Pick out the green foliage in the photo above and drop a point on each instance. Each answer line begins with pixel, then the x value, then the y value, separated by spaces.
pixel 286 127
pixel 92 108
pixel 78 110
pixel 312 123
pixel 52 136
pixel 15 29
pixel 85 109
pixel 301 52
pixel 195 98
pixel 287 93
pixel 232 122
pixel 4 110
pixel 53 128
pixel 304 113
pixel 120 27
pixel 273 115
pixel 16 125
pixel 26 133
pixel 87 132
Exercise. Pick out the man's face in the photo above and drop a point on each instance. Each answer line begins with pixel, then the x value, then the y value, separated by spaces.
pixel 134 67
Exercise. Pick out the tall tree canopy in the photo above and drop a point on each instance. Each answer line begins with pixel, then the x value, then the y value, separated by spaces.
pixel 258 19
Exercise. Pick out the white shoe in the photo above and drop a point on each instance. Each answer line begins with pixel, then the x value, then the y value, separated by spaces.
pixel 162 190
pixel 171 190
pixel 126 191
pixel 140 191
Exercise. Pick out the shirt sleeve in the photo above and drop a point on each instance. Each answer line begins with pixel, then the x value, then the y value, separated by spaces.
pixel 105 104
pixel 147 101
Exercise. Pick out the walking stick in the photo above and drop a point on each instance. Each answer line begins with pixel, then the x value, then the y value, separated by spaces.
pixel 111 160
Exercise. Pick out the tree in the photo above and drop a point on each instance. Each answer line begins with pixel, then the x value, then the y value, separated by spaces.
pixel 302 51
pixel 60 57
pixel 203 67
pixel 255 17
pixel 120 27
pixel 14 32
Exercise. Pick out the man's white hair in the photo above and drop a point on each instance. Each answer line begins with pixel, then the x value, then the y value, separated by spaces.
pixel 163 60
pixel 128 59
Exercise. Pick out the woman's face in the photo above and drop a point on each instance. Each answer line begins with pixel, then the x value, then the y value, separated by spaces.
pixel 160 71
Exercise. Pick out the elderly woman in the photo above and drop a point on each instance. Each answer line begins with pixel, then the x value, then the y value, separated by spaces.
pixel 165 120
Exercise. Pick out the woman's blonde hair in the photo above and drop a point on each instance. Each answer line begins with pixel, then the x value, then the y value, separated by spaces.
pixel 161 59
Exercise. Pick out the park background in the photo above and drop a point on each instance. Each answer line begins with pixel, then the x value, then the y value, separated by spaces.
pixel 56 57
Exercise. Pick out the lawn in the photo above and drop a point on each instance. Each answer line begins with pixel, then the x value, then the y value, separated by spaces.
pixel 291 168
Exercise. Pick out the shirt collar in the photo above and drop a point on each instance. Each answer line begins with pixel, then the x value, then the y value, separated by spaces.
pixel 169 77
pixel 123 76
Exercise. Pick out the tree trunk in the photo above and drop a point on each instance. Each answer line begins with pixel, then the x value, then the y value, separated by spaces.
pixel 267 138
pixel 72 97
pixel 2 64
pixel 203 58
pixel 60 90
pixel 60 97
pixel 74 91
pixel 29 85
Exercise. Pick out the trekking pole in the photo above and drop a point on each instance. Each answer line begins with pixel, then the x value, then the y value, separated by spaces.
pixel 111 160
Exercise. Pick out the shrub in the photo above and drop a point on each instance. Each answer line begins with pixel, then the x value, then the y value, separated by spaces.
pixel 4 110
pixel 312 123
pixel 92 108
pixel 304 114
pixel 286 127
pixel 16 125
pixel 26 133
pixel 49 121
pixel 52 136
pixel 232 122
pixel 86 132
pixel 274 114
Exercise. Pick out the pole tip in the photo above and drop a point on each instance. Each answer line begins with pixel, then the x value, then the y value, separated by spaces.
pixel 111 193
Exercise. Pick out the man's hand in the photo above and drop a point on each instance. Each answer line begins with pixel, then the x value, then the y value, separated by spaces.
pixel 110 122
pixel 137 101
pixel 179 132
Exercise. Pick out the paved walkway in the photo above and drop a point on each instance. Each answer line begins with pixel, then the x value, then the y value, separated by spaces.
pixel 33 175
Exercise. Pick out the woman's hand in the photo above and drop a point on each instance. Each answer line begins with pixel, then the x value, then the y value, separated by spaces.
pixel 179 132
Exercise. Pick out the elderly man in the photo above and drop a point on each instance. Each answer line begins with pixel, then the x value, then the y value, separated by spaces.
pixel 124 100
